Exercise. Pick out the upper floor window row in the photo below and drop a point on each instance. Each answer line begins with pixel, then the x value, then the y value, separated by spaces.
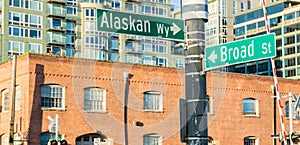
pixel 23 32
pixel 94 1
pixel 259 13
pixel 27 20
pixel 29 4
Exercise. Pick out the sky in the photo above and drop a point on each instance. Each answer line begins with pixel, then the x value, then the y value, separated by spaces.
pixel 176 3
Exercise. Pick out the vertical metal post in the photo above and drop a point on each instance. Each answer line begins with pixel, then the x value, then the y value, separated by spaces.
pixel 13 99
pixel 56 127
pixel 291 107
pixel 126 85
pixel 274 112
pixel 195 14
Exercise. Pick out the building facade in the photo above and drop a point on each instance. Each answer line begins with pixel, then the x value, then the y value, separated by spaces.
pixel 219 28
pixel 95 105
pixel 283 18
pixel 69 28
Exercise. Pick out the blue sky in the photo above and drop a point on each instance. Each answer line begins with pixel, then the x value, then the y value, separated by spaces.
pixel 176 3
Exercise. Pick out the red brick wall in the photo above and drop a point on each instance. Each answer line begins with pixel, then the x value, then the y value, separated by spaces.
pixel 227 125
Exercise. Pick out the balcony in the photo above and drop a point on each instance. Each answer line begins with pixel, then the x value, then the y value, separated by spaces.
pixel 57 1
pixel 133 50
pixel 55 28
pixel 55 12
pixel 57 42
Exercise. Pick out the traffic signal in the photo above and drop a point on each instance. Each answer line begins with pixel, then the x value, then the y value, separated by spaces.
pixel 53 142
pixel 63 142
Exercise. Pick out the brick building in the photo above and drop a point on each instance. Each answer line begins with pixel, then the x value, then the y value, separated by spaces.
pixel 88 96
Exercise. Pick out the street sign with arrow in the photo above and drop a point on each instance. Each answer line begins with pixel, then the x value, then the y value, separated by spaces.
pixel 255 48
pixel 137 24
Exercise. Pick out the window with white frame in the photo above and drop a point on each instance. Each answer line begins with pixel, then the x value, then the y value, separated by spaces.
pixel 18 101
pixel 160 11
pixel 179 63
pixel 250 140
pixel 242 7
pixel 34 5
pixel 131 7
pixel 52 96
pixel 71 7
pixel 72 2
pixel 94 42
pixel 147 47
pixel 90 14
pixel 160 61
pixel 29 4
pixel 94 99
pixel 295 113
pixel 5 100
pixel 71 10
pixel 115 4
pixel 224 8
pixel 113 57
pixel 90 27
pixel 153 101
pixel 70 26
pixel 55 37
pixel 131 58
pixel 161 1
pixel 161 48
pixel 114 44
pixel 94 1
pixel 15 48
pixel 152 139
pixel 234 5
pixel 147 60
pixel 147 9
pixel 250 107
pixel 96 54
pixel 4 139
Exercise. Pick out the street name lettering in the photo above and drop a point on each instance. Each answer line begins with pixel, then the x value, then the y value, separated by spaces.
pixel 126 23
pixel 129 23
pixel 245 50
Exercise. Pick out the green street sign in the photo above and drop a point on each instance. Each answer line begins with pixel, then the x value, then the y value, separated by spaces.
pixel 136 24
pixel 255 48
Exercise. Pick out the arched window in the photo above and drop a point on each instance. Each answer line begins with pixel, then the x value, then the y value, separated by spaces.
pixel 250 140
pixel 94 99
pixel 153 101
pixel 250 107
pixel 5 100
pixel 52 96
pixel 4 139
pixel 152 139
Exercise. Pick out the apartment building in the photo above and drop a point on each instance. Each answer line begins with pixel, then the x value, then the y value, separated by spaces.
pixel 89 98
pixel 283 18
pixel 219 28
pixel 69 28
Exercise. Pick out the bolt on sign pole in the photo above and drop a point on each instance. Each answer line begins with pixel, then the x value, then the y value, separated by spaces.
pixel 275 79
pixel 195 14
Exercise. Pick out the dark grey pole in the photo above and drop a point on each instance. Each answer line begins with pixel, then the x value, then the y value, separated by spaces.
pixel 194 13
pixel 126 90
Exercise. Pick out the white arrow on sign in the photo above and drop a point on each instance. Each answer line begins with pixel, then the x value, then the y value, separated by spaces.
pixel 175 28
pixel 213 56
